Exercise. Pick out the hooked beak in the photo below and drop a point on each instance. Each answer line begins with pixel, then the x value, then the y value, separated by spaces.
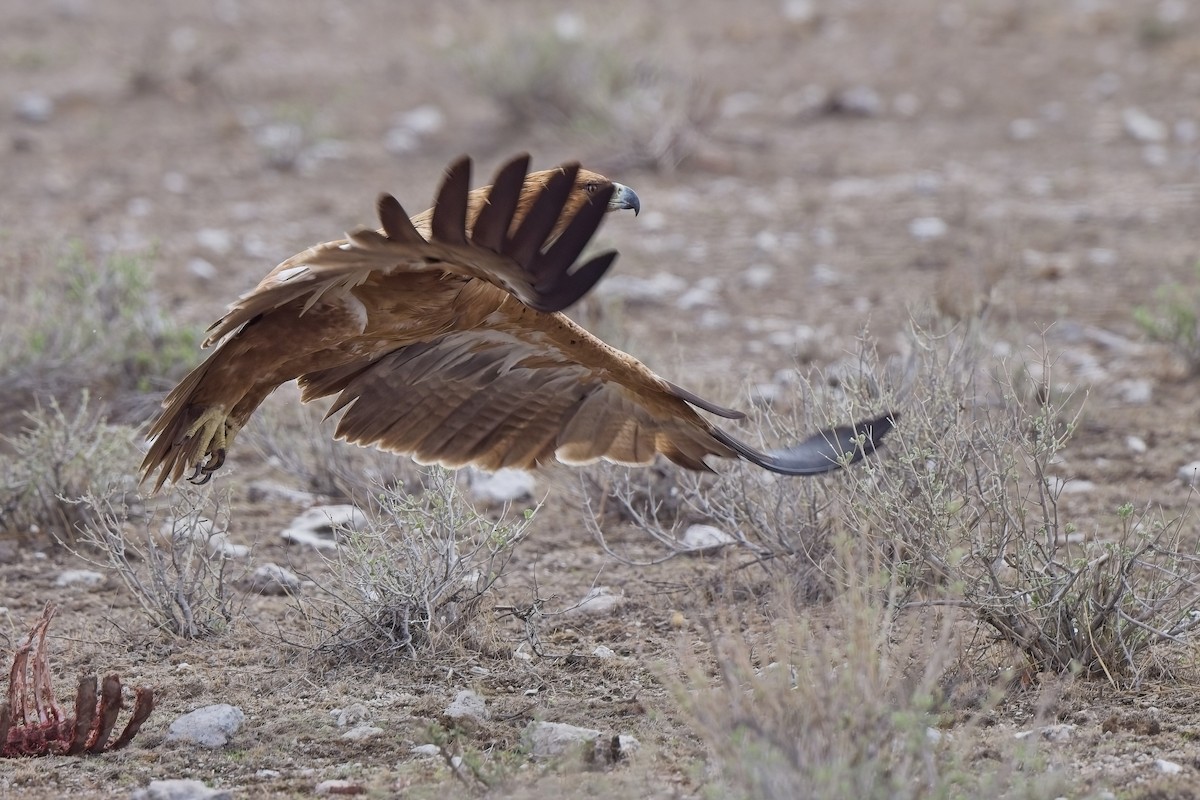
pixel 624 197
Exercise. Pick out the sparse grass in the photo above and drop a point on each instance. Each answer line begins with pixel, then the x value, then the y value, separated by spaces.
pixel 57 457
pixel 417 579
pixel 584 86
pixel 1173 320
pixel 965 506
pixel 841 705
pixel 87 323
pixel 175 566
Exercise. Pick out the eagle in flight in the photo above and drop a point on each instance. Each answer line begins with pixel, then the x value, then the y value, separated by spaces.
pixel 442 337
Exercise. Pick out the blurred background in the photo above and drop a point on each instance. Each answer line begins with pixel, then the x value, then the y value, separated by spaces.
pixel 807 168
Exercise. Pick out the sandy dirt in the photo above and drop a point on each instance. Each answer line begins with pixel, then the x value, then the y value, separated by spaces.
pixel 1038 163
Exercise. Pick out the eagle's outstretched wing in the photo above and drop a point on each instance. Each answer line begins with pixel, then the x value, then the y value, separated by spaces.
pixel 502 247
pixel 512 396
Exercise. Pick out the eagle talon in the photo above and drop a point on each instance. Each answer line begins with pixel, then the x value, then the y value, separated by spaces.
pixel 195 480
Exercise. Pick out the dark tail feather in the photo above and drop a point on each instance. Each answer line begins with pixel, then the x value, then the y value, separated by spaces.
pixel 824 451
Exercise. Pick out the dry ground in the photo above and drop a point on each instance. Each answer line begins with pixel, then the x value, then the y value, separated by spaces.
pixel 214 140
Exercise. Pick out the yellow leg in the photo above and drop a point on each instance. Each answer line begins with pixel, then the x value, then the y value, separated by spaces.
pixel 214 434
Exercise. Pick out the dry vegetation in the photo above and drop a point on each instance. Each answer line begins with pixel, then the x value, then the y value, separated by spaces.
pixel 882 632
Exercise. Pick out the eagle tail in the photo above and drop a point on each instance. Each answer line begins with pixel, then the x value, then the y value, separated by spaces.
pixel 172 451
pixel 824 451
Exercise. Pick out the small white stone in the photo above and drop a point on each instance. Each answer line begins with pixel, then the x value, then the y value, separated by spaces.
pixel 505 485
pixel 546 739
pixel 351 715
pixel 603 652
pixel 217 240
pixel 925 229
pixel 1168 767
pixel 1022 130
pixel 598 602
pixel 860 101
pixel 267 774
pixel 1143 127
pixel 34 107
pixel 330 519
pixel 705 537
pixel 338 787
pixel 362 732
pixel 180 789
pixel 202 269
pixel 758 276
pixel 175 182
pixel 1188 472
pixel 469 705
pixel 210 726
pixel 569 26
pixel 307 538
pixel 79 577
pixel 426 750
pixel 1136 444
pixel 423 120
pixel 273 579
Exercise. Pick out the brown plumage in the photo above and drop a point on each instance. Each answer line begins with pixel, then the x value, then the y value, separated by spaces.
pixel 442 339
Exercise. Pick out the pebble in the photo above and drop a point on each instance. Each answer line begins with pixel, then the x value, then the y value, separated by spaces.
pixel 758 276
pixel 547 739
pixel 216 240
pixel 426 750
pixel 1142 127
pixel 1136 444
pixel 544 739
pixel 705 539
pixel 339 787
pixel 204 270
pixel 34 107
pixel 272 579
pixel 656 290
pixel 506 485
pixel 596 603
pixel 859 101
pixel 211 726
pixel 362 732
pixel 925 229
pixel 1187 473
pixel 318 526
pixel 281 144
pixel 1168 767
pixel 79 577
pixel 350 715
pixel 603 652
pixel 468 705
pixel 268 774
pixel 1052 733
pixel 1022 130
pixel 179 789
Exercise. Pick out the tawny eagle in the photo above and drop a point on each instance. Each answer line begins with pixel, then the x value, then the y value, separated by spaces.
pixel 442 338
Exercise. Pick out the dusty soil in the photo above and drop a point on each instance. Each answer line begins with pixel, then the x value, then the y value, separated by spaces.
pixel 216 140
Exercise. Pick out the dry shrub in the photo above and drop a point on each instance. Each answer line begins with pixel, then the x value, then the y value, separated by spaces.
pixel 964 505
pixel 172 561
pixel 841 704
pixel 416 579
pixel 82 323
pixel 58 457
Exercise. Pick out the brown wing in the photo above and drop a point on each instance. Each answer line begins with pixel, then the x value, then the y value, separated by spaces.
pixel 496 399
pixel 489 398
pixel 508 256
